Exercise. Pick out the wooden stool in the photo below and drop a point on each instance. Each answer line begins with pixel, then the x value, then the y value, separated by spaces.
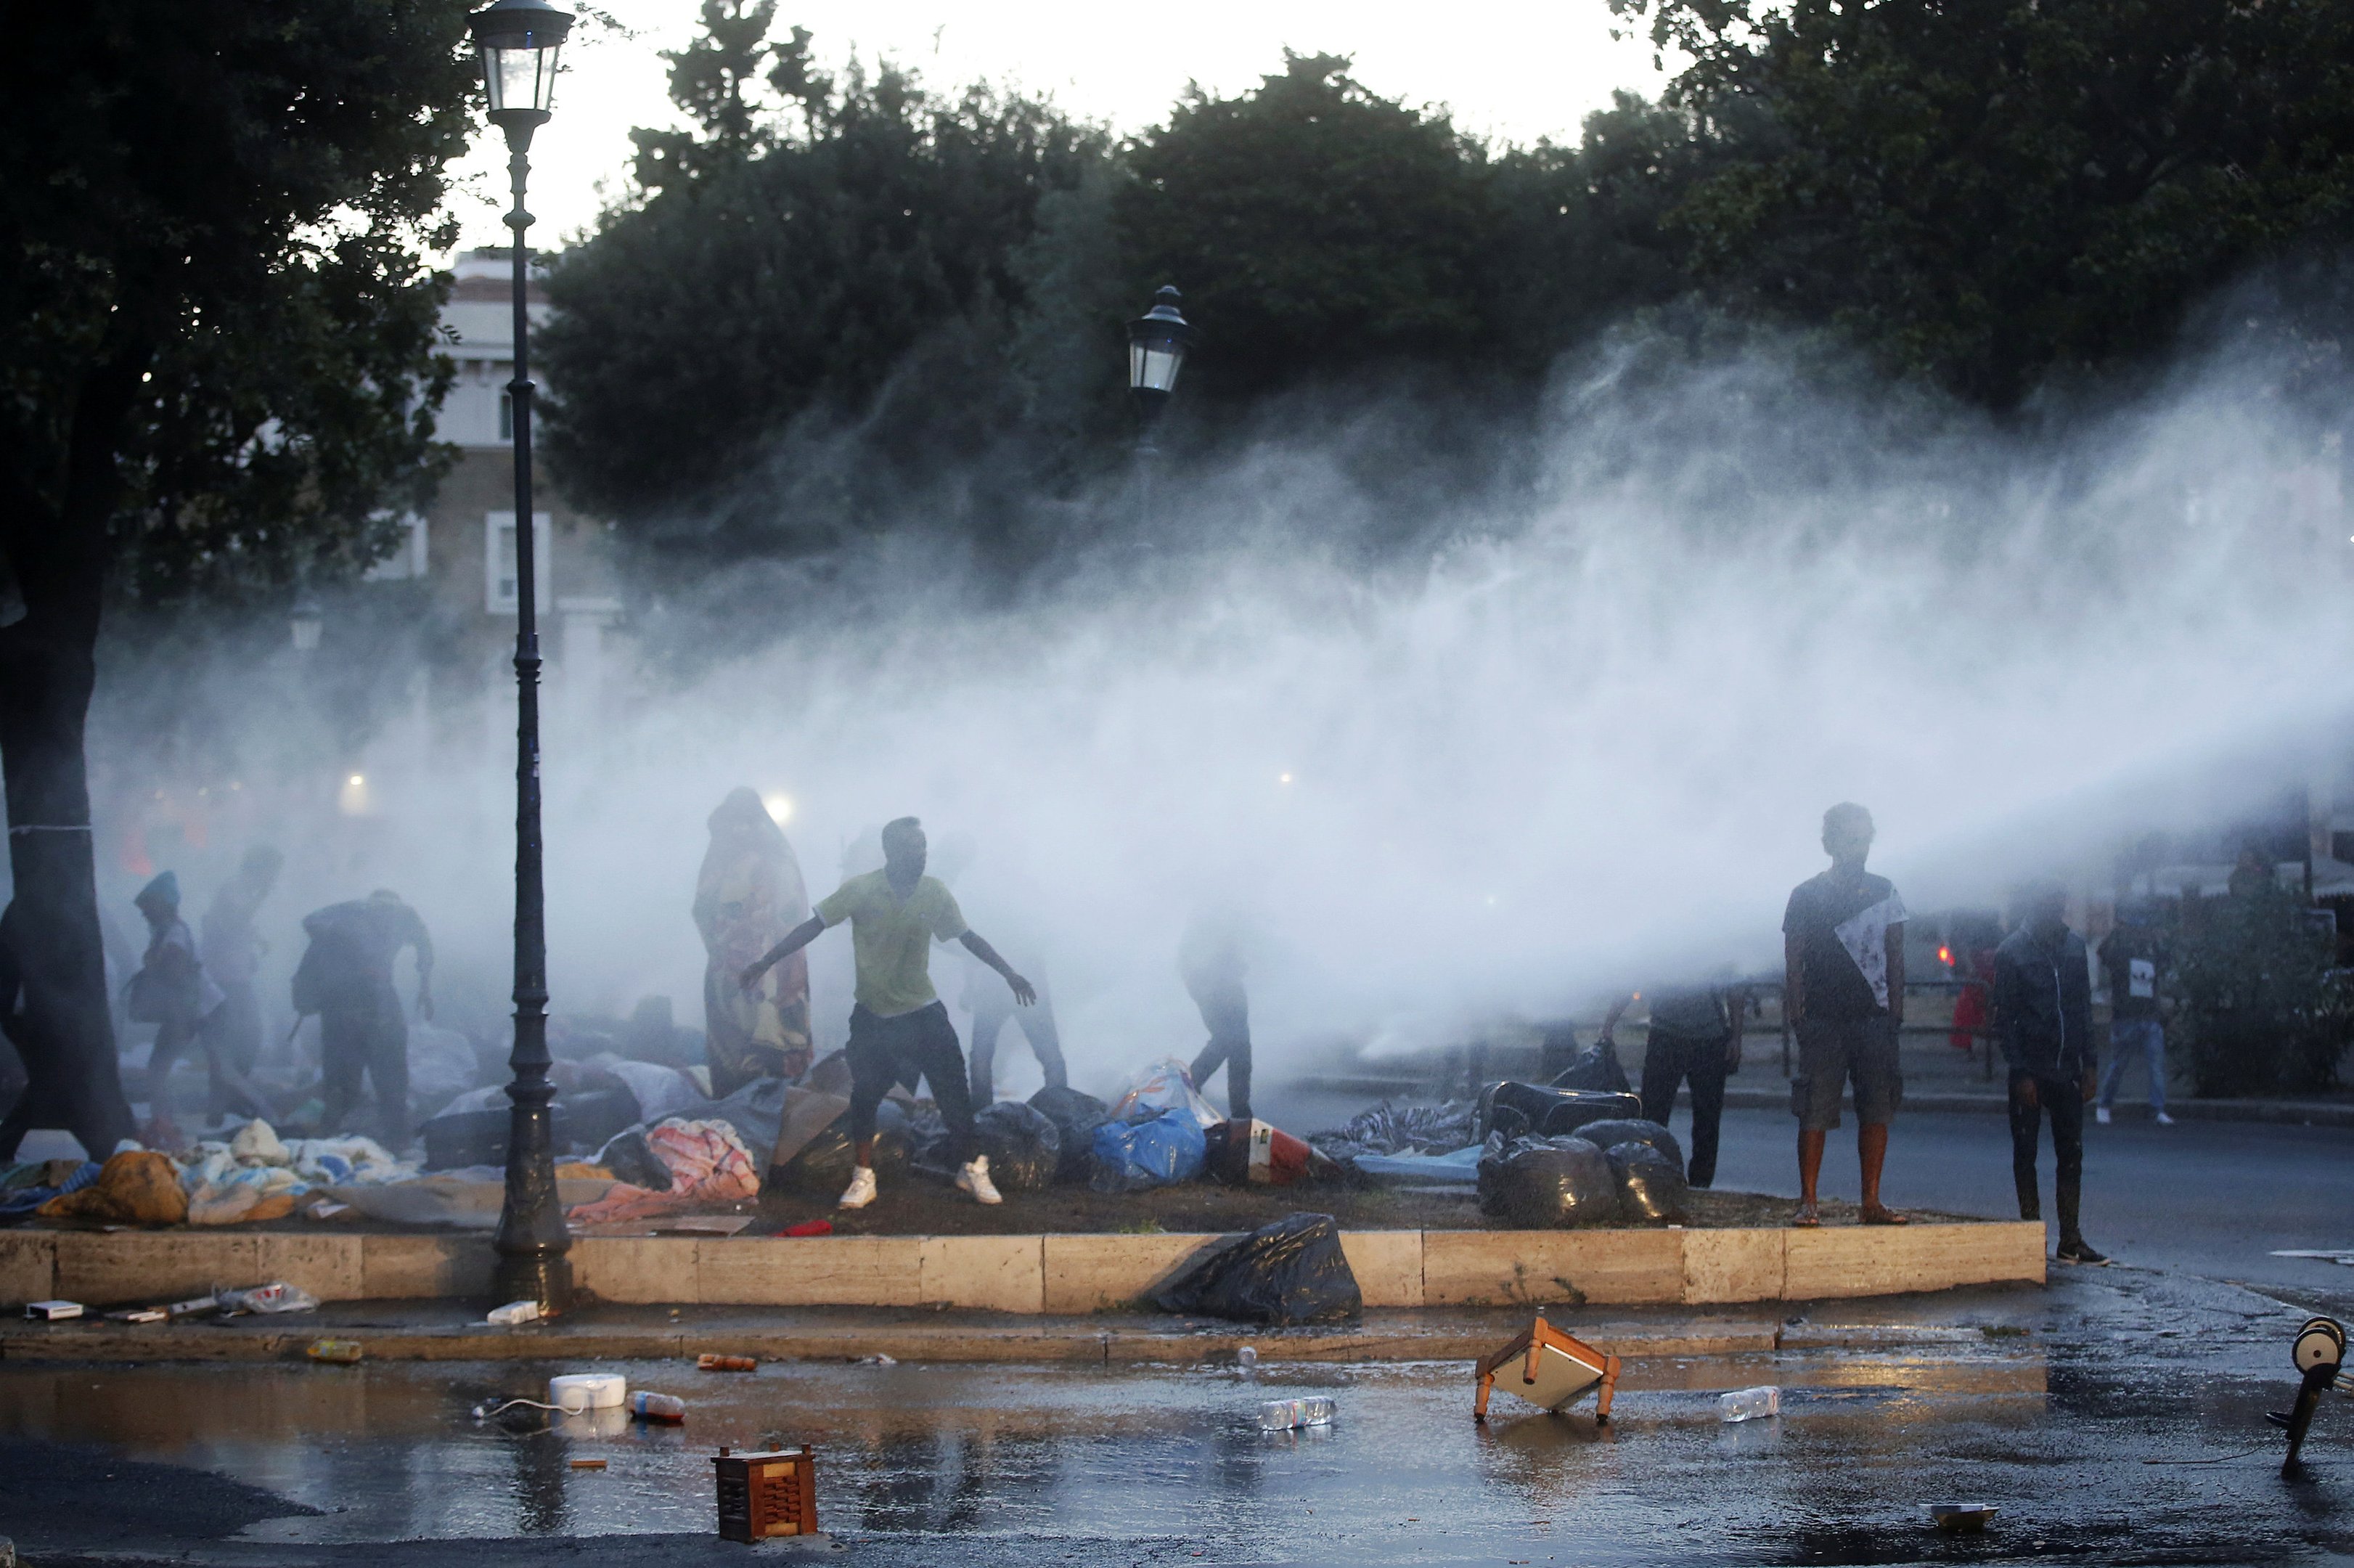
pixel 1556 1368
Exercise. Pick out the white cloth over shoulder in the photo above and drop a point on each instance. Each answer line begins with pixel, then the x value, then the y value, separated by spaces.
pixel 1864 934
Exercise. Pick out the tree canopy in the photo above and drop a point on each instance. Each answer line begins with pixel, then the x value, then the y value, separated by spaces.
pixel 1989 191
pixel 217 364
pixel 805 250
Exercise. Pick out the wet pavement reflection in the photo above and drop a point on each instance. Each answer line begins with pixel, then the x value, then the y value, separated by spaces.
pixel 2053 1426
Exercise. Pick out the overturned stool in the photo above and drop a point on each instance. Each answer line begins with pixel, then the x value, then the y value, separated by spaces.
pixel 1555 1369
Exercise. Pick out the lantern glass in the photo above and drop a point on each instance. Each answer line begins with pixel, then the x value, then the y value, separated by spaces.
pixel 1153 363
pixel 519 73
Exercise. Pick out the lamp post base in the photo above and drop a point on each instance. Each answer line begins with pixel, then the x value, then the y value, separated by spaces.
pixel 544 1278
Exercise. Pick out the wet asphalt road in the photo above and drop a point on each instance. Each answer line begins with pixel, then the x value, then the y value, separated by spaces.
pixel 2157 1360
pixel 301 1463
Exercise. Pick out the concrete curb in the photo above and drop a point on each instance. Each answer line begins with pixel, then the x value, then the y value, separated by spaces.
pixel 2304 1113
pixel 1037 1275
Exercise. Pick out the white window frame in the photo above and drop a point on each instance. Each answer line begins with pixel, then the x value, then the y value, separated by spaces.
pixel 497 528
pixel 409 560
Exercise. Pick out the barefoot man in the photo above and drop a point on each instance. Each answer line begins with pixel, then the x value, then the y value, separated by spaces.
pixel 1843 991
pixel 899 1030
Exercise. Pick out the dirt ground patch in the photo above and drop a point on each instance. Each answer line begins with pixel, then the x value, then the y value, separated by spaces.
pixel 919 1205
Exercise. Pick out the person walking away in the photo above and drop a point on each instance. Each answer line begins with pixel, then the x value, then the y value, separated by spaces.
pixel 900 1029
pixel 2132 956
pixel 346 977
pixel 1211 961
pixel 2043 1016
pixel 232 950
pixel 172 991
pixel 1843 979
pixel 986 997
pixel 748 894
pixel 1695 1036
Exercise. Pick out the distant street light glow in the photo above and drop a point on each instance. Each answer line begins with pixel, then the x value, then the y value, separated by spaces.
pixel 1283 778
pixel 781 807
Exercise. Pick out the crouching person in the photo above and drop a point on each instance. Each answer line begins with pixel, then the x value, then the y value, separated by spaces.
pixel 899 1030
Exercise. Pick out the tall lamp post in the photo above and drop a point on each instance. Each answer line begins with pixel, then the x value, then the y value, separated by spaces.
pixel 1157 342
pixel 517 41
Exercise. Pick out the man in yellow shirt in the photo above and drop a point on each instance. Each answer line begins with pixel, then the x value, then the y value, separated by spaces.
pixel 899 1030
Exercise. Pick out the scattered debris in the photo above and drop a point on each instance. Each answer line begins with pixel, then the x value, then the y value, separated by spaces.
pixel 1260 1154
pixel 340 1352
pixel 876 1360
pixel 767 1494
pixel 588 1464
pixel 1652 1186
pixel 809 1228
pixel 1555 1369
pixel 1749 1404
pixel 1288 1415
pixel 514 1313
pixel 1409 1129
pixel 575 1391
pixel 275 1297
pixel 52 1311
pixel 138 1315
pixel 194 1307
pixel 710 1362
pixel 667 1408
pixel 1961 1518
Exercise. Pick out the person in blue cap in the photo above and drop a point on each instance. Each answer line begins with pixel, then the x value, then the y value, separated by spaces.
pixel 173 993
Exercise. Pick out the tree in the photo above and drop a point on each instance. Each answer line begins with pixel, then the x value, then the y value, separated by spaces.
pixel 215 345
pixel 853 277
pixel 1315 227
pixel 1989 191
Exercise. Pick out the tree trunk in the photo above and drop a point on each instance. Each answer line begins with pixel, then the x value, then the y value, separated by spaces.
pixel 48 667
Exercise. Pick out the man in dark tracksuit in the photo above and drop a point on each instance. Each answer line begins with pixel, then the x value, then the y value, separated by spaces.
pixel 1210 961
pixel 2043 1016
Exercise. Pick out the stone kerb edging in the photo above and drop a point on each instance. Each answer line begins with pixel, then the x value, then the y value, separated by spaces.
pixel 1039 1274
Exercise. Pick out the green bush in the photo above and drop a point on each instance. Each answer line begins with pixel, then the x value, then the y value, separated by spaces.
pixel 2264 1009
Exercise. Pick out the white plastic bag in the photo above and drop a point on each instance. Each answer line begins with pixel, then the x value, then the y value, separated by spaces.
pixel 1165 1085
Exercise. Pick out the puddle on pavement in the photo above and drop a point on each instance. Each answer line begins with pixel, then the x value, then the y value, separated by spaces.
pixel 391 1451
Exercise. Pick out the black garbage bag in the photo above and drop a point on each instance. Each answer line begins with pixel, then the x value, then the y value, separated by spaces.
pixel 1635 1129
pixel 1075 1116
pixel 629 1158
pixel 1597 1067
pixel 1651 1190
pixel 1548 1183
pixel 1292 1271
pixel 1539 1110
pixel 821 1170
pixel 1023 1145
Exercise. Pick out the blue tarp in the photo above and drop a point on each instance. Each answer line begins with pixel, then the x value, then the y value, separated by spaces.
pixel 1133 1156
pixel 1460 1168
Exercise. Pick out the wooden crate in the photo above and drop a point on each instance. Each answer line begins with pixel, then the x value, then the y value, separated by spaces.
pixel 767 1494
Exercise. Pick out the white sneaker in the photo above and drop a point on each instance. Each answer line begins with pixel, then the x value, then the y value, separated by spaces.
pixel 2164 1120
pixel 860 1190
pixel 2101 1115
pixel 974 1178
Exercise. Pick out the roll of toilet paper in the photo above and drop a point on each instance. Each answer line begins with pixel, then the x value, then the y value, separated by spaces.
pixel 587 1390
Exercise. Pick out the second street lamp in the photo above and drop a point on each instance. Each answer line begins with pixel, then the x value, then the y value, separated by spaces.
pixel 1157 342
pixel 516 41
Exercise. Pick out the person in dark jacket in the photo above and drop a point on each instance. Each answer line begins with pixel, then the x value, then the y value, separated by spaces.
pixel 346 977
pixel 2043 1016
pixel 1695 1035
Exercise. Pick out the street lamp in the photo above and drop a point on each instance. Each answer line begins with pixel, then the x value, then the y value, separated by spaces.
pixel 516 41
pixel 1157 342
pixel 306 621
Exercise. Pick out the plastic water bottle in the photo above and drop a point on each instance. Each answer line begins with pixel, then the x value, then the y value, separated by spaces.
pixel 1247 1357
pixel 648 1405
pixel 1748 1404
pixel 1283 1415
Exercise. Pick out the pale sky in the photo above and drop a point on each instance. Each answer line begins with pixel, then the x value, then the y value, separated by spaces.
pixel 1506 67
